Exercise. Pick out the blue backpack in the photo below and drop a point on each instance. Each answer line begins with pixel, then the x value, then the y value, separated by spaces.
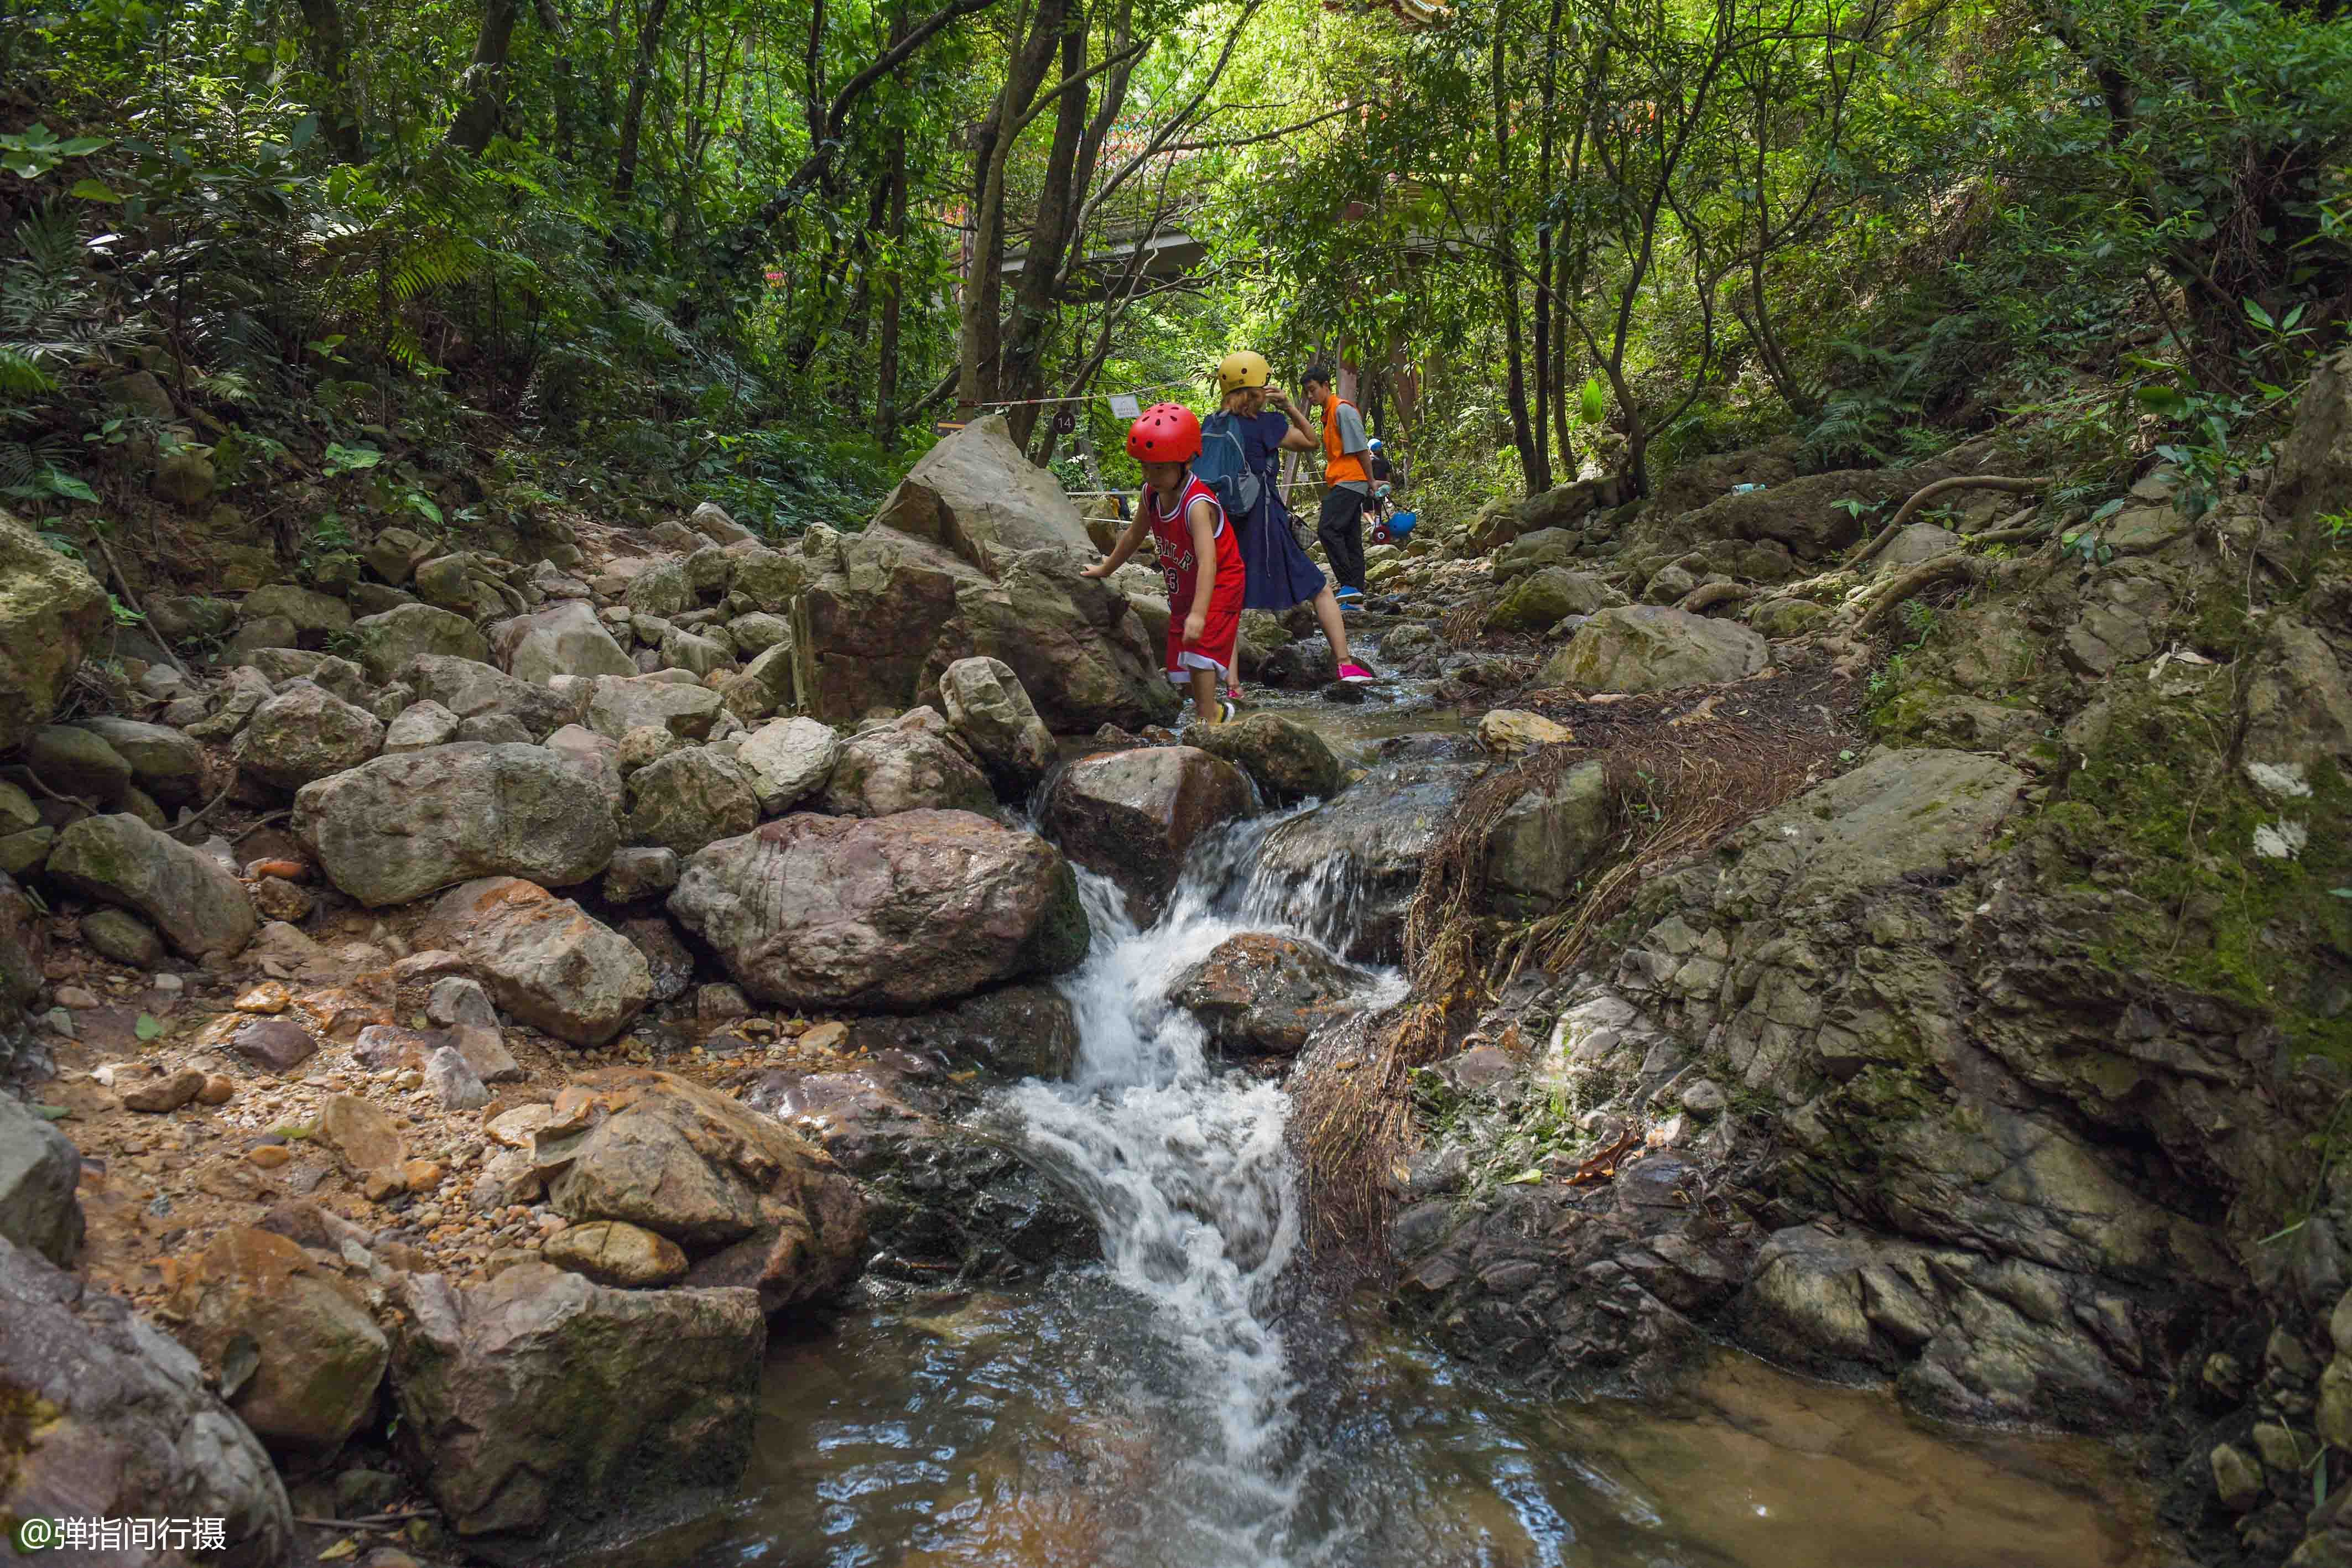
pixel 1224 468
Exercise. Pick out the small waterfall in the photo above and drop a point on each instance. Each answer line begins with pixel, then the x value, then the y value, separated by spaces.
pixel 1184 1166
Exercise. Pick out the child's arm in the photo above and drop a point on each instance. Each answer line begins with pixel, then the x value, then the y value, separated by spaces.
pixel 1200 521
pixel 1125 546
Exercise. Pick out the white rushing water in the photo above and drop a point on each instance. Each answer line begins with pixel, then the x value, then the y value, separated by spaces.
pixel 1184 1167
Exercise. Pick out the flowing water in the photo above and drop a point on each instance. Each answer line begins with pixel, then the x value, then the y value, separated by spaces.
pixel 1187 1405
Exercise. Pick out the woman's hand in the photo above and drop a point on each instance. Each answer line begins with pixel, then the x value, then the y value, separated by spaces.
pixel 1099 569
pixel 1194 624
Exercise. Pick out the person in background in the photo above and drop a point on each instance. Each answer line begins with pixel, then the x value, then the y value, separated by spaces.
pixel 1280 573
pixel 1376 501
pixel 1200 558
pixel 1348 483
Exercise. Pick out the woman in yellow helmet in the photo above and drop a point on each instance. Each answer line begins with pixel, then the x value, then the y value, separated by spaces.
pixel 1279 573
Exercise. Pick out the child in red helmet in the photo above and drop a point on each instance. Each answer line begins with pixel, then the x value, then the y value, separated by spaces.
pixel 1198 554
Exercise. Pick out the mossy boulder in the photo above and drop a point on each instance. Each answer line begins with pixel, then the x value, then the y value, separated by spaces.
pixel 51 613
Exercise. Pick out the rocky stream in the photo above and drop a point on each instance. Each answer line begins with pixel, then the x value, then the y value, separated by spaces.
pixel 640 1051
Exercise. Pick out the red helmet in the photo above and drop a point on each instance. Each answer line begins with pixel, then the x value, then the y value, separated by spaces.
pixel 1168 432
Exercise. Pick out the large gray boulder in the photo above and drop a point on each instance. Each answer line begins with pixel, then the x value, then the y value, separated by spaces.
pixel 471 689
pixel 978 495
pixel 1134 815
pixel 1288 761
pixel 541 1400
pixel 545 960
pixel 619 704
pixel 305 733
pixel 986 707
pixel 401 827
pixel 182 893
pixel 51 613
pixel 40 1170
pixel 690 798
pixel 564 639
pixel 1650 648
pixel 124 1426
pixel 1544 841
pixel 888 914
pixel 911 764
pixel 790 760
pixel 388 640
pixel 945 575
pixel 1542 597
pixel 163 762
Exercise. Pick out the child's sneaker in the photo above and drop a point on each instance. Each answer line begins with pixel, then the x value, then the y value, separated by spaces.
pixel 1355 674
pixel 1350 595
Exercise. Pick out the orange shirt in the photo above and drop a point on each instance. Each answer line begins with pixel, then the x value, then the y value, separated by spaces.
pixel 1338 467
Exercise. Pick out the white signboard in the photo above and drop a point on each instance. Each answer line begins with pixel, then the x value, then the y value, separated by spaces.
pixel 1124 406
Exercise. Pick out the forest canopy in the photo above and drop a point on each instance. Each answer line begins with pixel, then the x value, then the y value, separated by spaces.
pixel 753 250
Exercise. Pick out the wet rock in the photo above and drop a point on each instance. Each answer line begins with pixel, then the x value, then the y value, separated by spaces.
pixel 1361 856
pixel 1648 648
pixel 184 892
pixel 689 799
pixel 667 962
pixel 128 1427
pixel 986 707
pixel 688 1163
pixel 51 612
pixel 940 1197
pixel 39 1171
pixel 1134 815
pixel 119 937
pixel 1288 761
pixel 389 640
pixel 1264 994
pixel 544 960
pixel 542 1399
pixel 305 733
pixel 613 1252
pixel 911 764
pixel 892 914
pixel 293 1343
pixel 163 762
pixel 790 760
pixel 398 828
pixel 564 639
pixel 1546 840
pixel 1012 1031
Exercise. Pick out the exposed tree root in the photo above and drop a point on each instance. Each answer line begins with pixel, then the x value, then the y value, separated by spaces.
pixel 1921 497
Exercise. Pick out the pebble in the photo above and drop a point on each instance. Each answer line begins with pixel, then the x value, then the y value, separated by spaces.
pixel 270 997
pixel 218 1090
pixel 76 997
pixel 168 983
pixel 268 1156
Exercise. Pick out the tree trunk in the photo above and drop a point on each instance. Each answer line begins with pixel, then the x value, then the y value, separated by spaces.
pixel 889 284
pixel 977 355
pixel 331 46
pixel 477 117
pixel 1024 352
pixel 1532 464
pixel 633 114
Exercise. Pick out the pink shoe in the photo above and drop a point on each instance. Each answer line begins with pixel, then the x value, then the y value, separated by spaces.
pixel 1356 675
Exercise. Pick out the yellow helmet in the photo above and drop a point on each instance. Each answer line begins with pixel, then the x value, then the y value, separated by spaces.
pixel 1245 369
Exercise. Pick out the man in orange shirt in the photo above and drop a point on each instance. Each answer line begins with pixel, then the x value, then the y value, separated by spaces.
pixel 1348 483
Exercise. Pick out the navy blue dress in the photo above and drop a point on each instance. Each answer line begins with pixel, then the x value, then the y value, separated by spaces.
pixel 1278 573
